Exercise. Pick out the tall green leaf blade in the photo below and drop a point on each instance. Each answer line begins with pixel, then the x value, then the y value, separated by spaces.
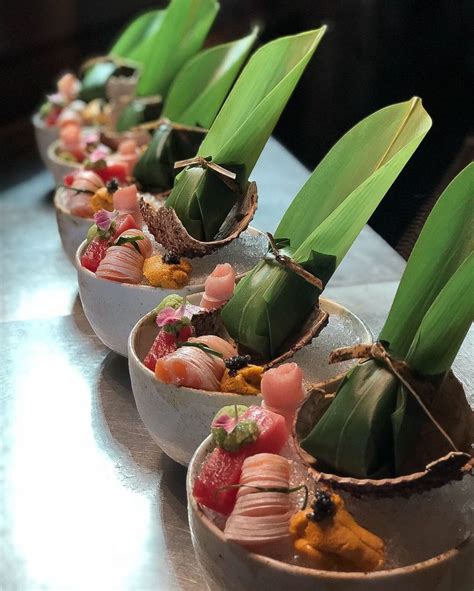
pixel 363 150
pixel 445 324
pixel 242 128
pixel 134 34
pixel 320 252
pixel 258 98
pixel 180 35
pixel 200 88
pixel 442 246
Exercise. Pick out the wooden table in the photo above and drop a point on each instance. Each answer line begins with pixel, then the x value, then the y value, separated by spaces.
pixel 89 501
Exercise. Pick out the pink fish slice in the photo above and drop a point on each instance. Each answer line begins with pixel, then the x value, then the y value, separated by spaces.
pixel 121 264
pixel 219 287
pixel 125 200
pixel 145 245
pixel 217 344
pixel 282 387
pixel 262 503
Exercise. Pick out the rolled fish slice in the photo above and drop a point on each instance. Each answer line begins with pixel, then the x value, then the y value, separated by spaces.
pixel 216 343
pixel 190 367
pixel 219 287
pixel 145 245
pixel 283 390
pixel 125 200
pixel 121 264
pixel 262 503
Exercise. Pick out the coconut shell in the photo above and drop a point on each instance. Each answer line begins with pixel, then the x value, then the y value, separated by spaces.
pixel 209 322
pixel 168 230
pixel 450 407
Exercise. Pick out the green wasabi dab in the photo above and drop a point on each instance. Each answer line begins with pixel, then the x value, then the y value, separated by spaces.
pixel 229 432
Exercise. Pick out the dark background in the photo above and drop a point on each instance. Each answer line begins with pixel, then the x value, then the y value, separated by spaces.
pixel 374 53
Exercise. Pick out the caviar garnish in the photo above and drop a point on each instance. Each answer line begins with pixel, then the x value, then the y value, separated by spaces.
pixel 171 259
pixel 322 506
pixel 237 362
pixel 112 185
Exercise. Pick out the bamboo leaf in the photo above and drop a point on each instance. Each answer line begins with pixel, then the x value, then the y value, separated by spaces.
pixel 241 130
pixel 445 324
pixel 135 34
pixel 180 34
pixel 200 88
pixel 442 246
pixel 263 311
pixel 258 98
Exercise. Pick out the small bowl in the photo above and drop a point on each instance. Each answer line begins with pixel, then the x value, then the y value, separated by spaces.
pixel 45 135
pixel 229 566
pixel 72 228
pixel 113 308
pixel 57 166
pixel 179 418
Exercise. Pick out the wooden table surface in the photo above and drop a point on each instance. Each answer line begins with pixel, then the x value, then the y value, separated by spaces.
pixel 88 500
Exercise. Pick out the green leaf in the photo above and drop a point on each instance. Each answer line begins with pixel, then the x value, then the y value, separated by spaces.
pixel 200 88
pixel 446 323
pixel 135 34
pixel 241 129
pixel 258 98
pixel 138 111
pixel 322 223
pixel 95 79
pixel 178 36
pixel 155 168
pixel 441 248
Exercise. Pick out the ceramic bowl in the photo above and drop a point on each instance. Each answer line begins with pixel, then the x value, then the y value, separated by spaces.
pixel 57 166
pixel 179 418
pixel 72 228
pixel 229 566
pixel 45 135
pixel 113 309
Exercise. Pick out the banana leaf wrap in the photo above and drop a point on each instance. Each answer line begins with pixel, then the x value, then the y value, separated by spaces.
pixel 372 427
pixel 171 142
pixel 138 111
pixel 97 75
pixel 240 132
pixel 321 224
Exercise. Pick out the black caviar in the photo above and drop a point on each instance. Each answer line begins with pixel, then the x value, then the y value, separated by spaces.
pixel 322 506
pixel 112 185
pixel 237 362
pixel 171 259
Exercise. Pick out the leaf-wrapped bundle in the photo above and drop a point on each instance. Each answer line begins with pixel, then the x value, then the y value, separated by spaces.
pixel 372 427
pixel 321 224
pixel 138 111
pixel 97 76
pixel 170 142
pixel 240 131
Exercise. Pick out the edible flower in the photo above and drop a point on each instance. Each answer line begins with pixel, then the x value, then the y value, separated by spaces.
pixel 104 219
pixel 170 315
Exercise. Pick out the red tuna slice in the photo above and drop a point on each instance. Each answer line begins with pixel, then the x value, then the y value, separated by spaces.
pixel 164 344
pixel 94 254
pixel 123 223
pixel 117 170
pixel 221 469
pixel 273 432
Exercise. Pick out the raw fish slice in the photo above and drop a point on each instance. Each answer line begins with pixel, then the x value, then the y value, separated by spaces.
pixel 283 390
pixel 128 154
pixel 126 201
pixel 145 245
pixel 262 503
pixel 70 135
pixel 216 343
pixel 253 532
pixel 273 431
pixel 87 180
pixel 267 459
pixel 124 222
pixel 68 85
pixel 80 205
pixel 121 264
pixel 219 287
pixel 190 367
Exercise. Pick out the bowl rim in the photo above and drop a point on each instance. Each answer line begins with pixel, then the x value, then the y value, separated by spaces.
pixel 51 152
pixel 133 355
pixel 279 565
pixel 91 275
pixel 62 208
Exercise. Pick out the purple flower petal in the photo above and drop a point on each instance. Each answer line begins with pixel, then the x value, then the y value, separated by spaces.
pixel 103 219
pixel 225 422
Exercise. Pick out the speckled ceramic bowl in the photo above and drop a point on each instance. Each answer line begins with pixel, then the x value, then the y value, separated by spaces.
pixel 57 166
pixel 229 566
pixel 178 418
pixel 114 308
pixel 45 135
pixel 72 228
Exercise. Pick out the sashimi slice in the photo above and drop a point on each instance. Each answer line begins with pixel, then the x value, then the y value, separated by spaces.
pixel 86 180
pixel 216 343
pixel 219 287
pixel 283 390
pixel 94 253
pixel 121 264
pixel 115 170
pixel 164 344
pixel 273 432
pixel 145 245
pixel 221 469
pixel 123 223
pixel 190 367
pixel 126 201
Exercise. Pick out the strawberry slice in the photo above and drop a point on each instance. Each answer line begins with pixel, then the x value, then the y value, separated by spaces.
pixel 94 253
pixel 164 344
